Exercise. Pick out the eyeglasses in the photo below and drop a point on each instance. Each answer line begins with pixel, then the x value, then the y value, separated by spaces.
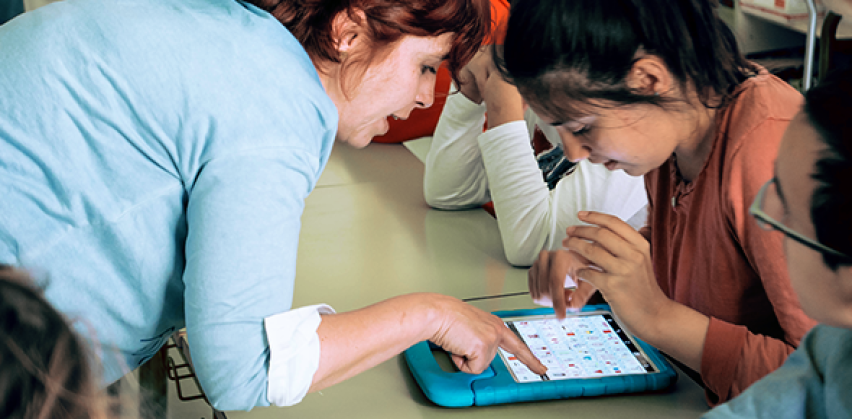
pixel 768 223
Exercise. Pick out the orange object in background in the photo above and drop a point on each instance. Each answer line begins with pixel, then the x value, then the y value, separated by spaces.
pixel 422 122
pixel 499 19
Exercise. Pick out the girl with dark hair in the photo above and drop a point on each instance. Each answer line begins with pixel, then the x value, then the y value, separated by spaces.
pixel 659 89
pixel 155 156
pixel 807 202
pixel 535 197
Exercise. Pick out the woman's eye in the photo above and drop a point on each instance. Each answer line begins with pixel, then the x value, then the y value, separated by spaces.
pixel 429 69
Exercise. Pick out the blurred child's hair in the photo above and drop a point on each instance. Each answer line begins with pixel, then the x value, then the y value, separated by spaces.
pixel 45 368
pixel 567 55
pixel 828 107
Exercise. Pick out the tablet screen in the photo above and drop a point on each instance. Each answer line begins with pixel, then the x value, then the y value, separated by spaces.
pixel 588 345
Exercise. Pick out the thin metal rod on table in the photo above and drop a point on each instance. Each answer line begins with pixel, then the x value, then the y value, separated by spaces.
pixel 810 46
pixel 490 297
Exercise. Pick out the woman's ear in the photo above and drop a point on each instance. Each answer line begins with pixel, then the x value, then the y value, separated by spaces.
pixel 650 76
pixel 347 30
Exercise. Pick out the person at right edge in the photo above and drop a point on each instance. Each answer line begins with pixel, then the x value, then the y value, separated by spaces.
pixel 807 203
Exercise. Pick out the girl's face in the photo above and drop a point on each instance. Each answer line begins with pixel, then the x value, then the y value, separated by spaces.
pixel 636 139
pixel 403 81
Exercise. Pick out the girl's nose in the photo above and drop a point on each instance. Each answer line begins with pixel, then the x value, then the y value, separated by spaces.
pixel 574 150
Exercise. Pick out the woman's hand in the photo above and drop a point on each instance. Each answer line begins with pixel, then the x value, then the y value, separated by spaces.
pixel 472 337
pixel 354 341
pixel 552 281
pixel 620 267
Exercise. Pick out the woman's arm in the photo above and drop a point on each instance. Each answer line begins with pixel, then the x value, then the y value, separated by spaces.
pixel 249 348
pixel 356 341
pixel 240 268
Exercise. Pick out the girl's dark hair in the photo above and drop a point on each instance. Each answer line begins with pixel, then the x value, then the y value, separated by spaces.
pixel 44 366
pixel 583 50
pixel 310 21
pixel 828 107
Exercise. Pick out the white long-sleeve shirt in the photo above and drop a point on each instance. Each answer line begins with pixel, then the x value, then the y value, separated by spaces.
pixel 466 168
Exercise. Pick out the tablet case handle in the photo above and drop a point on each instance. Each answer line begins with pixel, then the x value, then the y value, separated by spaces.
pixel 456 388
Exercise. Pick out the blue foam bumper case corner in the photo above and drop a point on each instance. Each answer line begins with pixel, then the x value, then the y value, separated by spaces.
pixel 496 385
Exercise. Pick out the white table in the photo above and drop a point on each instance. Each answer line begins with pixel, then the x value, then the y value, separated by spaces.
pixel 368 235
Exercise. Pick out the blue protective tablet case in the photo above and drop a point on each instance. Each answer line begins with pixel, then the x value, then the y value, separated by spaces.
pixel 496 385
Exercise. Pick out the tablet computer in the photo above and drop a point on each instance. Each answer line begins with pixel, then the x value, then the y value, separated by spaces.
pixel 587 354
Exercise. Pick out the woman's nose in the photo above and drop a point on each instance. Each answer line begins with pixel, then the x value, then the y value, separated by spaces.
pixel 426 95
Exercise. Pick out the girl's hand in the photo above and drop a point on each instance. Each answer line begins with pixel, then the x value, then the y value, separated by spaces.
pixel 503 102
pixel 481 81
pixel 552 281
pixel 475 73
pixel 622 269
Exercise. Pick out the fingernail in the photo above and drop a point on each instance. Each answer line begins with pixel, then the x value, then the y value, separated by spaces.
pixel 573 310
pixel 582 213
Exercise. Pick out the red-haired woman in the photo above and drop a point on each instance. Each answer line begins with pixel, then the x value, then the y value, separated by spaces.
pixel 154 161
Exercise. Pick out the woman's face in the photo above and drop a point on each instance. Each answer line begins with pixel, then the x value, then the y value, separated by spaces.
pixel 636 139
pixel 403 81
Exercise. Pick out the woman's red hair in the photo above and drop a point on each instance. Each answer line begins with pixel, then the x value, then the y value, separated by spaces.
pixel 310 21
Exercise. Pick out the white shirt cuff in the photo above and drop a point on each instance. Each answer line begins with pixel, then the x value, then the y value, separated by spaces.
pixel 294 352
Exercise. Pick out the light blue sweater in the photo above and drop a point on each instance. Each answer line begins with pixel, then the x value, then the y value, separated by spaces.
pixel 154 160
pixel 814 382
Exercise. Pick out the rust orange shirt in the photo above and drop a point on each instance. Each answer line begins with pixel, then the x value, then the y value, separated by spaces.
pixel 709 253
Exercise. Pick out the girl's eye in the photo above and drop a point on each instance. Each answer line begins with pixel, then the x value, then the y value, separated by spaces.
pixel 582 130
pixel 429 69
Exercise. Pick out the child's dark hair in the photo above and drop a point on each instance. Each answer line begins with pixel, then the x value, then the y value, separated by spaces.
pixel 583 50
pixel 44 366
pixel 828 107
